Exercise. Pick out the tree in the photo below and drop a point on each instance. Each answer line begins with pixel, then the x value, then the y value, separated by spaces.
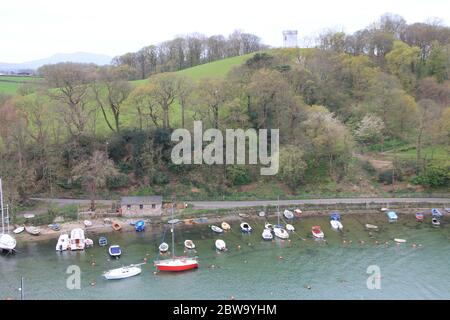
pixel 111 89
pixel 370 129
pixel 212 95
pixel 185 90
pixel 428 113
pixel 70 83
pixel 93 173
pixel 292 166
pixel 146 107
pixel 402 61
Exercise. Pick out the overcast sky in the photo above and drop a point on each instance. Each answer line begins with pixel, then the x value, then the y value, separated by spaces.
pixel 32 29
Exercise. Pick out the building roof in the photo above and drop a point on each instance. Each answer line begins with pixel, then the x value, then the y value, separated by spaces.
pixel 141 200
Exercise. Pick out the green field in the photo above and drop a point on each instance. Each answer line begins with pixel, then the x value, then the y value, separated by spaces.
pixel 10 84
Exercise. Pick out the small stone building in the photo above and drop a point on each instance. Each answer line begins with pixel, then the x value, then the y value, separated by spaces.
pixel 141 206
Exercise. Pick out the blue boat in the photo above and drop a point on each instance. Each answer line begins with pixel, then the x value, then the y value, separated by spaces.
pixel 102 241
pixel 436 213
pixel 139 225
pixel 392 216
pixel 335 216
pixel 115 251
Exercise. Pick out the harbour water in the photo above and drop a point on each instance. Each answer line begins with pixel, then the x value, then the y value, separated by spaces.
pixel 302 268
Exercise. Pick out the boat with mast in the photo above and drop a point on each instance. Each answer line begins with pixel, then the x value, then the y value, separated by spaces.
pixel 175 263
pixel 7 242
pixel 278 230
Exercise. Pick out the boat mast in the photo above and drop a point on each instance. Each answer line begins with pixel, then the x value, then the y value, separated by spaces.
pixel 278 209
pixel 7 218
pixel 173 240
pixel 1 202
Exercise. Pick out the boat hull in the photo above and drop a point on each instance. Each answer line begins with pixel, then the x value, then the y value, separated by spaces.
pixel 176 265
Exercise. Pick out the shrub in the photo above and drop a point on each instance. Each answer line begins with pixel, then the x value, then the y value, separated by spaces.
pixel 117 182
pixel 387 175
pixel 238 175
pixel 433 176
pixel 160 178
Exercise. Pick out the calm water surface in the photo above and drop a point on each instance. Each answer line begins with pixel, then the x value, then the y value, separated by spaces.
pixel 258 270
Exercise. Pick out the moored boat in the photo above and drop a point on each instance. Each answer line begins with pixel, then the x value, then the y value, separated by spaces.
pixel 399 240
pixel 33 230
pixel 102 241
pixel 436 213
pixel 189 244
pixel 267 234
pixel 63 242
pixel 435 222
pixel 163 247
pixel 243 215
pixel 87 223
pixel 216 229
pixel 336 224
pixel 122 273
pixel 281 233
pixel 139 226
pixel 54 226
pixel 371 226
pixel 288 214
pixel 116 225
pixel 335 216
pixel 297 213
pixel 174 221
pixel 317 232
pixel 290 227
pixel 419 217
pixel 225 226
pixel 245 227
pixel 392 216
pixel 220 245
pixel 262 214
pixel 89 242
pixel 268 226
pixel 18 230
pixel 115 251
pixel 77 239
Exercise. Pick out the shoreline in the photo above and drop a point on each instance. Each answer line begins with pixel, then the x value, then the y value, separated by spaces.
pixel 99 226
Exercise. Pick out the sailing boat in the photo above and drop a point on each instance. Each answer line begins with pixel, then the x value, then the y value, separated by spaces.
pixel 278 230
pixel 176 263
pixel 7 242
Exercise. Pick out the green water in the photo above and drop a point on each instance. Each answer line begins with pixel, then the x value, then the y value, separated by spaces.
pixel 261 270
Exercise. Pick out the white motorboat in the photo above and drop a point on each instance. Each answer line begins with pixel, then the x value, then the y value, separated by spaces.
pixel 288 214
pixel 267 234
pixel 262 214
pixel 89 242
pixel 77 239
pixel 281 233
pixel 163 247
pixel 189 244
pixel 290 227
pixel 87 223
pixel 399 240
pixel 245 227
pixel 216 229
pixel 115 251
pixel 220 245
pixel 63 242
pixel 336 224
pixel 33 230
pixel 18 230
pixel 371 226
pixel 122 273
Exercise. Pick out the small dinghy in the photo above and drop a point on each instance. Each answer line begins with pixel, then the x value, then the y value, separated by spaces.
pixel 225 226
pixel 33 231
pixel 28 216
pixel 297 213
pixel 436 213
pixel 139 226
pixel 268 226
pixel 371 226
pixel 336 225
pixel 267 234
pixel 115 251
pixel 399 240
pixel 54 226
pixel 216 229
pixel 163 247
pixel 220 245
pixel 447 209
pixel 122 273
pixel 288 214
pixel 419 217
pixel 87 223
pixel 435 222
pixel 262 214
pixel 200 220
pixel 116 226
pixel 63 242
pixel 189 244
pixel 289 227
pixel 102 241
pixel 174 221
pixel 245 227
pixel 392 216
pixel 89 242
pixel 18 230
pixel 317 232
pixel 335 216
pixel 280 233
pixel 243 215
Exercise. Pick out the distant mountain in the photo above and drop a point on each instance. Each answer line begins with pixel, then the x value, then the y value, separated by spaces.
pixel 81 57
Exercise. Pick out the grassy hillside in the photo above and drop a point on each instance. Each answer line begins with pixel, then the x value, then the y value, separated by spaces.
pixel 10 84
